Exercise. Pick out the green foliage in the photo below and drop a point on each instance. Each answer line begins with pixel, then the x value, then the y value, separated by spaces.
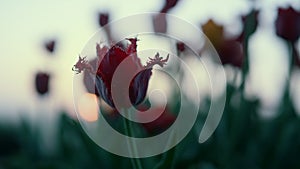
pixel 242 140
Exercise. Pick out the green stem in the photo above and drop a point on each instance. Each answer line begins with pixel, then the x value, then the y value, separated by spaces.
pixel 240 120
pixel 292 56
pixel 136 163
pixel 249 29
pixel 286 96
pixel 245 68
pixel 291 50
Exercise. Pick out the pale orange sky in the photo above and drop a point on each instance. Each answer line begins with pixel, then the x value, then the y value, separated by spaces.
pixel 27 24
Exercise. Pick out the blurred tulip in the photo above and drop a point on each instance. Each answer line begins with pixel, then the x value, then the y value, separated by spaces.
pixel 250 23
pixel 214 32
pixel 103 19
pixel 229 50
pixel 180 46
pixel 50 46
pixel 168 5
pixel 42 83
pixel 163 122
pixel 288 24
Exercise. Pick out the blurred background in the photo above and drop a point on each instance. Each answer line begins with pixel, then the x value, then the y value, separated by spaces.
pixel 257 42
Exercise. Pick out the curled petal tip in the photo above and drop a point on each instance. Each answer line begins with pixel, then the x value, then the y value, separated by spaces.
pixel 82 65
pixel 157 60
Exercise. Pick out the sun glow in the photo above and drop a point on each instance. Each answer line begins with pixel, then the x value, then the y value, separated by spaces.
pixel 88 107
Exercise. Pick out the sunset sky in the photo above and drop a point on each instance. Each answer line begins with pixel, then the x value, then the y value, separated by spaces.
pixel 27 25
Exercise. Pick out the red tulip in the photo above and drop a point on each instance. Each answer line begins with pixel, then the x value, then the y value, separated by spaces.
pixel 110 60
pixel 103 19
pixel 163 122
pixel 42 83
pixel 168 5
pixel 180 46
pixel 50 46
pixel 288 24
pixel 229 50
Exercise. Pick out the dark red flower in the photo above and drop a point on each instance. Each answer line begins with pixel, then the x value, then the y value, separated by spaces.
pixel 110 59
pixel 103 19
pixel 288 24
pixel 50 46
pixel 229 50
pixel 180 46
pixel 42 83
pixel 163 122
pixel 168 5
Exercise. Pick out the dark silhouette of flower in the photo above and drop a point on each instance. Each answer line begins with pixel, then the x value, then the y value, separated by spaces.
pixel 169 4
pixel 250 23
pixel 110 58
pixel 50 46
pixel 42 83
pixel 103 19
pixel 180 46
pixel 230 50
pixel 288 24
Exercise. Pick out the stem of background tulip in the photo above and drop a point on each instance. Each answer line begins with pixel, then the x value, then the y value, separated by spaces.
pixel 292 54
pixel 245 68
pixel 249 29
pixel 241 117
pixel 292 50
pixel 136 163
